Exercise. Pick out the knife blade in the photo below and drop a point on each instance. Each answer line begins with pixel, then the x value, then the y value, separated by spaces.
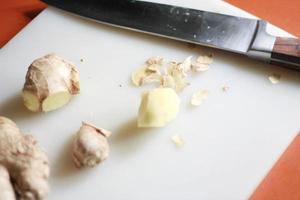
pixel 230 33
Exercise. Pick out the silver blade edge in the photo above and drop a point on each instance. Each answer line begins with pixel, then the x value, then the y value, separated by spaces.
pixel 220 31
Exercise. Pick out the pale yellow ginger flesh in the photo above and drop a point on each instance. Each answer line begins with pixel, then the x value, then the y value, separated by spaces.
pixel 50 83
pixel 158 107
pixel 90 146
pixel 6 189
pixel 26 162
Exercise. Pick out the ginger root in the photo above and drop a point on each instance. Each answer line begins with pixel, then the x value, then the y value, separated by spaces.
pixel 158 107
pixel 90 146
pixel 6 189
pixel 50 83
pixel 26 163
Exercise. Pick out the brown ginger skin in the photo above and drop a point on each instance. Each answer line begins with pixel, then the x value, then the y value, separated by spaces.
pixel 6 189
pixel 90 146
pixel 26 162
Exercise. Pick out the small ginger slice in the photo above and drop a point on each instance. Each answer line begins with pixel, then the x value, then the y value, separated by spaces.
pixel 158 107
pixel 180 81
pixel 90 146
pixel 6 189
pixel 178 73
pixel 225 88
pixel 50 83
pixel 178 140
pixel 176 67
pixel 167 81
pixel 274 78
pixel 187 63
pixel 202 63
pixel 26 162
pixel 200 67
pixel 151 78
pixel 138 75
pixel 156 60
pixel 198 97
pixel 152 69
pixel 173 76
pixel 146 74
pixel 205 59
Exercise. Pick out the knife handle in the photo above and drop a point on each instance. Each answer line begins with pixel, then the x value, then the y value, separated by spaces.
pixel 286 52
pixel 280 51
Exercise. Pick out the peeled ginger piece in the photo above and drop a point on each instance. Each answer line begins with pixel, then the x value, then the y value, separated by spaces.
pixel 158 107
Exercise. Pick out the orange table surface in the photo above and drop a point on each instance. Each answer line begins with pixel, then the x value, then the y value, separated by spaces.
pixel 283 181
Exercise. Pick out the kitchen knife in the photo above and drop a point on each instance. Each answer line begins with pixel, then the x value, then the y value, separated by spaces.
pixel 235 34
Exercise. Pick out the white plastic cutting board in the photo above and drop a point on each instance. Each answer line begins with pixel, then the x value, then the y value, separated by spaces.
pixel 232 139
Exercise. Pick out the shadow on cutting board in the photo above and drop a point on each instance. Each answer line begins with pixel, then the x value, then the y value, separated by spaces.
pixel 129 139
pixel 14 109
pixel 64 165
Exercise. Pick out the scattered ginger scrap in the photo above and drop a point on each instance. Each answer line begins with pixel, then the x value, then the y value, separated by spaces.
pixel 178 141
pixel 274 78
pixel 186 64
pixel 202 63
pixel 172 74
pixel 167 81
pixel 225 88
pixel 151 78
pixel 152 69
pixel 198 97
pixel 205 59
pixel 138 75
pixel 156 60
pixel 178 73
pixel 199 67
